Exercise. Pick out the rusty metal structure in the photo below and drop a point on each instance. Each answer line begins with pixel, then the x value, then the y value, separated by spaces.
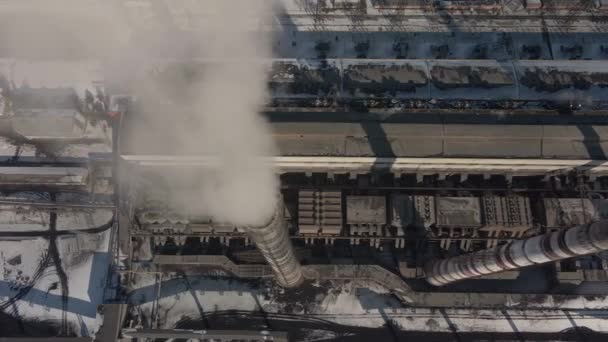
pixel 541 249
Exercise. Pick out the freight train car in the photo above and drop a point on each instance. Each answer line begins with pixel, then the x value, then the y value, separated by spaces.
pixel 422 83
pixel 439 83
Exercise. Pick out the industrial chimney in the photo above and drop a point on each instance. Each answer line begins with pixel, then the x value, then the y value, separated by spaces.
pixel 274 244
pixel 567 243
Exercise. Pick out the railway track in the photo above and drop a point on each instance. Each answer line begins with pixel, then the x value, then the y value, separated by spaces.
pixel 470 18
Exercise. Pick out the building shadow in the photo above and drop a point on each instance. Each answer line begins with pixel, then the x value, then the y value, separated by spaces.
pixel 97 280
pixel 380 146
pixel 371 300
pixel 592 142
pixel 453 328
pixel 512 325
pixel 578 331
pixel 199 306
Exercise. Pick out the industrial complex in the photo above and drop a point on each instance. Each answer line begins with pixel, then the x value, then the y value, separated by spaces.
pixel 304 170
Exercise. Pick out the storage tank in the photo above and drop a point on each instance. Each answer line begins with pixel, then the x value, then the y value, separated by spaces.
pixel 273 242
pixel 563 244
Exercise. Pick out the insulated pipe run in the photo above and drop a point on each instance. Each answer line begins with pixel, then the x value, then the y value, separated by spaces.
pixel 563 244
pixel 273 242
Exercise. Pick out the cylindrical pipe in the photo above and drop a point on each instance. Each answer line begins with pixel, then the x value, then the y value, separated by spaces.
pixel 273 242
pixel 567 243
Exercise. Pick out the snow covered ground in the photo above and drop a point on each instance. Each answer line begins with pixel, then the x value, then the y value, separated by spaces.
pixel 359 304
pixel 20 218
pixel 85 261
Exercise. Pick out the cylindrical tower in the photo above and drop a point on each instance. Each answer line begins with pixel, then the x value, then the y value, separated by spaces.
pixel 567 243
pixel 273 242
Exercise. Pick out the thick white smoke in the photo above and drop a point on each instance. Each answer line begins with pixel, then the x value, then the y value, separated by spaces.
pixel 215 111
pixel 243 190
pixel 223 100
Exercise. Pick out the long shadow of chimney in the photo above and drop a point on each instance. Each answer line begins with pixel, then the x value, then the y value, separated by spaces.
pixel 516 330
pixel 380 145
pixel 592 142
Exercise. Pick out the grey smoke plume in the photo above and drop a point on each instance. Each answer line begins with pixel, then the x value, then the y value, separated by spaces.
pixel 210 109
pixel 243 190
pixel 207 104
pixel 223 98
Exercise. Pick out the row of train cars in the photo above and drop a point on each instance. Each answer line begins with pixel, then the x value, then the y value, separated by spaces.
pixel 437 83
pixel 432 83
pixel 421 83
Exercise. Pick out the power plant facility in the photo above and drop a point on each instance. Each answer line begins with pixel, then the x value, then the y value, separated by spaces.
pixel 303 170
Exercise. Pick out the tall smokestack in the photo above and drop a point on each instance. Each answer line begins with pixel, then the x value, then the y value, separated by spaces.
pixel 564 244
pixel 273 242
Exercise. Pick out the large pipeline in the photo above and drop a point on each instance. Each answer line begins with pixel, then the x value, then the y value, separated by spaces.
pixel 563 244
pixel 273 242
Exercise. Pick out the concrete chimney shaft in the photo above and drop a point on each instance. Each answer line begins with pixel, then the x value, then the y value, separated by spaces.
pixel 273 242
pixel 563 244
